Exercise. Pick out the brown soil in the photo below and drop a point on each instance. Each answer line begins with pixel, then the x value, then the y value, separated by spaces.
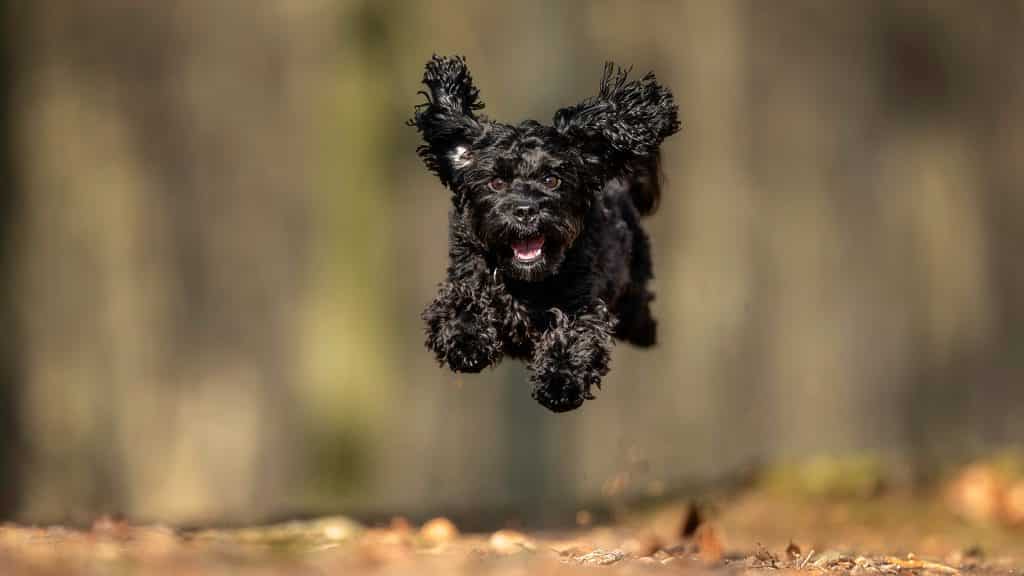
pixel 753 533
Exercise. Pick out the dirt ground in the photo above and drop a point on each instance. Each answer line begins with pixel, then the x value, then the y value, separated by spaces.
pixel 754 532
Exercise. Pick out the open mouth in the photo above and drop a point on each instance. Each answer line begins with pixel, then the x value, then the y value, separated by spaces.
pixel 528 250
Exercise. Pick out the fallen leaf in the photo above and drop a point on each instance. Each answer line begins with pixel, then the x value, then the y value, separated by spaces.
pixel 439 530
pixel 709 544
pixel 977 493
pixel 510 542
pixel 337 529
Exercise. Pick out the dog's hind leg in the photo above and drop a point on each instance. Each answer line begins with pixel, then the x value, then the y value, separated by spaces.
pixel 636 323
pixel 633 308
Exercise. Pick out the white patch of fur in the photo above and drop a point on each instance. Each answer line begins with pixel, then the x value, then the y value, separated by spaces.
pixel 460 157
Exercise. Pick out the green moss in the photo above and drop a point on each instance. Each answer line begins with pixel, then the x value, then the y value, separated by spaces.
pixel 830 476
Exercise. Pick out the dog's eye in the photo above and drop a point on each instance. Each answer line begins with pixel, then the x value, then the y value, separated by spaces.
pixel 551 182
pixel 497 184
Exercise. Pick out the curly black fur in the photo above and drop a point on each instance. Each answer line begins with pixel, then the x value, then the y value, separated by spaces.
pixel 548 261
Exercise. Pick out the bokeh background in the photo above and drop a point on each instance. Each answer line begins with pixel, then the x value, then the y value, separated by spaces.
pixel 217 239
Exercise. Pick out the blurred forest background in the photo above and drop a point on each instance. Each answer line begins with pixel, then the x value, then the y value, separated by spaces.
pixel 217 240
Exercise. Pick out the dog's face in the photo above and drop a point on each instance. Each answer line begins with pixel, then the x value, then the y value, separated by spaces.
pixel 527 189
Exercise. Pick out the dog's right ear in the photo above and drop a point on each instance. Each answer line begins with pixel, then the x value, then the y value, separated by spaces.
pixel 447 120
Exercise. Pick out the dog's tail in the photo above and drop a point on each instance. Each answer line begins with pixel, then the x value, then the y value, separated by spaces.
pixel 644 183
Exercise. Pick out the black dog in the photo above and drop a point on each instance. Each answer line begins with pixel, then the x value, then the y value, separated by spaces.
pixel 548 261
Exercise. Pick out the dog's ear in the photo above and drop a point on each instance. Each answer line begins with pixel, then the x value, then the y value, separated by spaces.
pixel 624 124
pixel 447 120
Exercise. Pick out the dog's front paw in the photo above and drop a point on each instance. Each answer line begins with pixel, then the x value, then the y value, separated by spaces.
pixel 461 329
pixel 570 360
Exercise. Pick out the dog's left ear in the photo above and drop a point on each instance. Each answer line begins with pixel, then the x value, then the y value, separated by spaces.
pixel 447 120
pixel 624 124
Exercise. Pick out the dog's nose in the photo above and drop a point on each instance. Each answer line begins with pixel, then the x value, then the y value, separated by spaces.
pixel 525 212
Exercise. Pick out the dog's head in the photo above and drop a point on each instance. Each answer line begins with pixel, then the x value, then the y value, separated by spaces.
pixel 527 189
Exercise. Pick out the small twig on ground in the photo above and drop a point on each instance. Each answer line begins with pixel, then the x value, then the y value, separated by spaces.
pixel 915 564
pixel 806 559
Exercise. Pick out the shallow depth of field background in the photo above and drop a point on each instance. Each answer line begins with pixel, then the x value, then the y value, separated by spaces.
pixel 217 239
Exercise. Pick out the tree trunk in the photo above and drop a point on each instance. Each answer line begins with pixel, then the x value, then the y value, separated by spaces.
pixel 10 384
pixel 161 257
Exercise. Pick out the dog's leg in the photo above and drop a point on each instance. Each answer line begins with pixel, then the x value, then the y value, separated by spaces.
pixel 462 326
pixel 571 357
pixel 636 324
